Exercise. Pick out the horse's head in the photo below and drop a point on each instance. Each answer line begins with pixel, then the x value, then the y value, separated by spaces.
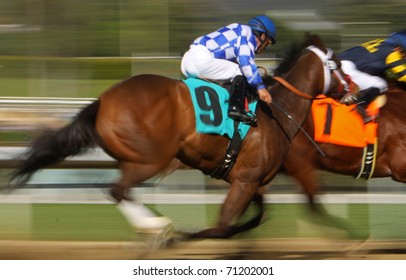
pixel 314 69
pixel 335 81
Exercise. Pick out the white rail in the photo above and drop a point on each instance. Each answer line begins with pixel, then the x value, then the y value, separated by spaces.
pixel 20 113
pixel 29 101
pixel 95 158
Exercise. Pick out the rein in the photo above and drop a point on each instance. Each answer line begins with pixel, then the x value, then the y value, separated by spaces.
pixel 293 89
pixel 300 127
pixel 329 67
pixel 280 109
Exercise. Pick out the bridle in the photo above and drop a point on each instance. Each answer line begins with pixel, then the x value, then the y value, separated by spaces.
pixel 330 69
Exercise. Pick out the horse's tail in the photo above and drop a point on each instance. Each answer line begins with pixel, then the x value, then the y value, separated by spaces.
pixel 54 146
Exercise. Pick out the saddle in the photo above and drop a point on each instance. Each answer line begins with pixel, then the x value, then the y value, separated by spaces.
pixel 250 94
pixel 210 101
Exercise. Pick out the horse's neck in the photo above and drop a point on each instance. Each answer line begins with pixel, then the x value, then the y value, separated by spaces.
pixel 295 111
pixel 297 107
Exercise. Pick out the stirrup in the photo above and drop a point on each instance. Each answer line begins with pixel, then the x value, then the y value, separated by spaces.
pixel 366 118
pixel 252 117
pixel 248 118
pixel 370 118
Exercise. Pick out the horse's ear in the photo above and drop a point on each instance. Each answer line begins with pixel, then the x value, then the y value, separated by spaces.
pixel 313 39
pixel 308 39
pixel 317 41
pixel 307 36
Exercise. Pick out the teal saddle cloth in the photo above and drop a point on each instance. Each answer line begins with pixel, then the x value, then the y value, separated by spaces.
pixel 210 102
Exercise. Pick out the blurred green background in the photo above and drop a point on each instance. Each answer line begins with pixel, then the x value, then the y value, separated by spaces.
pixel 103 222
pixel 73 48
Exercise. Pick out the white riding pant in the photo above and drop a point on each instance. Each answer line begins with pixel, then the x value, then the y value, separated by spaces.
pixel 198 61
pixel 363 80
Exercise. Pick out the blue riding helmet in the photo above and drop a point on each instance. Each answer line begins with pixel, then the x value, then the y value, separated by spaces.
pixel 398 39
pixel 264 24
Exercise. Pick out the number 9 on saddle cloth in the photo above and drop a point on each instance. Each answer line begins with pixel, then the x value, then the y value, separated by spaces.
pixel 210 106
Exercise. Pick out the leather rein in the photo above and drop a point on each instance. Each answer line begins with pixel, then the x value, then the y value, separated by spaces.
pixel 293 89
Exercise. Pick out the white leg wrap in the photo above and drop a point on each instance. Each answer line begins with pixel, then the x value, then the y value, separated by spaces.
pixel 140 217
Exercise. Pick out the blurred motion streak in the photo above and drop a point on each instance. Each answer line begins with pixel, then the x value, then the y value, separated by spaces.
pixel 58 55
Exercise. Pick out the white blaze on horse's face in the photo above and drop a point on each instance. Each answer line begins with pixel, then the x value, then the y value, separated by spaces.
pixel 330 66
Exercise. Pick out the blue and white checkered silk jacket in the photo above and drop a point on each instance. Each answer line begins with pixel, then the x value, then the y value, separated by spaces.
pixel 235 42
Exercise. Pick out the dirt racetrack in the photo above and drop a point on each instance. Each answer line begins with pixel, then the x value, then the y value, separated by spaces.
pixel 281 249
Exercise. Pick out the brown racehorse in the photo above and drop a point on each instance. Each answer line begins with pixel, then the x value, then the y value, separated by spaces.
pixel 304 160
pixel 147 122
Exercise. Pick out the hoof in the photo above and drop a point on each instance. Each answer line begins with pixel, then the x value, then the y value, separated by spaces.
pixel 153 223
pixel 213 233
pixel 155 239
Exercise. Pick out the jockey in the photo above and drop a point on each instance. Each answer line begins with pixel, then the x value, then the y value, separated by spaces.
pixel 228 55
pixel 368 64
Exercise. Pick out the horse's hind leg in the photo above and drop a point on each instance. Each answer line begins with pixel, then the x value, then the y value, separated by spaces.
pixel 138 215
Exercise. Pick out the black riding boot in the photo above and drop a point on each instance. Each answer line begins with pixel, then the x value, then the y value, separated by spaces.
pixel 236 106
pixel 365 98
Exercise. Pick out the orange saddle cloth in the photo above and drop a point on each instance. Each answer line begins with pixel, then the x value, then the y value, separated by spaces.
pixel 340 124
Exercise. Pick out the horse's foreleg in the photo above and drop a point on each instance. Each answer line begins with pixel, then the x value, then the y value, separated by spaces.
pixel 237 201
pixel 307 180
pixel 305 174
pixel 255 221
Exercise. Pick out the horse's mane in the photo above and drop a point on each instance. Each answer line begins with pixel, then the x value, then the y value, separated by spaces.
pixel 294 51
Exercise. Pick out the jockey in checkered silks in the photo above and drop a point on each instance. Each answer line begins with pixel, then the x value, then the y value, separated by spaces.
pixel 228 54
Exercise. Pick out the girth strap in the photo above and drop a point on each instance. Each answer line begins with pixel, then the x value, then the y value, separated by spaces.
pixel 232 151
pixel 368 161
